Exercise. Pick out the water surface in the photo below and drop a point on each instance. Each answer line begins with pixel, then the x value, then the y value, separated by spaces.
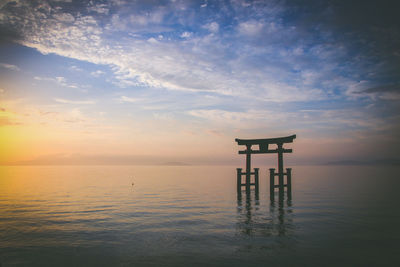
pixel 191 215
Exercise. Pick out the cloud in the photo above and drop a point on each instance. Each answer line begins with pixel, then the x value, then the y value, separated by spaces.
pixel 74 102
pixel 383 88
pixel 99 8
pixel 163 116
pixel 54 117
pixel 59 80
pixel 250 28
pixel 75 68
pixel 390 96
pixel 128 99
pixel 186 34
pixel 251 118
pixel 5 121
pixel 212 27
pixel 199 64
pixel 267 50
pixel 97 73
pixel 351 123
pixel 9 66
pixel 367 89
pixel 214 132
pixel 64 17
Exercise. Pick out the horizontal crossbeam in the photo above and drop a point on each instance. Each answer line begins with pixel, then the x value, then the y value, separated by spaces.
pixel 265 152
pixel 246 184
pixel 251 173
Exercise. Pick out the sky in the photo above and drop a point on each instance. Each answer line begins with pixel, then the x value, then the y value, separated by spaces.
pixel 143 82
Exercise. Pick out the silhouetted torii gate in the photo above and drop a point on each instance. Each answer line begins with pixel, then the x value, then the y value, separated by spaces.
pixel 264 149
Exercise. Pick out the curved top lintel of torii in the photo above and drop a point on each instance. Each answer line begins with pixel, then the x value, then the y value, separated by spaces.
pixel 266 141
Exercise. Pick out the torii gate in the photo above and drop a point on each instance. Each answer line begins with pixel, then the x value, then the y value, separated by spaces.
pixel 264 149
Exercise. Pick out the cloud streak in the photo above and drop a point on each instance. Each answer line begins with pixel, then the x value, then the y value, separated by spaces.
pixel 9 66
pixel 74 102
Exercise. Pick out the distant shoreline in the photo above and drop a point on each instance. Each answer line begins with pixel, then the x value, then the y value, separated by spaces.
pixel 391 162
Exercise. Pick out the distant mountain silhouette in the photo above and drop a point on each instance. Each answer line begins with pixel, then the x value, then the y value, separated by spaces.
pixel 389 161
pixel 80 159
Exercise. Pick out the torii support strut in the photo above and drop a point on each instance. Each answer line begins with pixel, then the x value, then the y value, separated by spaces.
pixel 264 149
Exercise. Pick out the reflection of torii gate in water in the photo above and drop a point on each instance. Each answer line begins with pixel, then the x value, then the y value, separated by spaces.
pixel 265 149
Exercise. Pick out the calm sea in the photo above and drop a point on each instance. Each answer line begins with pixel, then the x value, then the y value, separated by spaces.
pixel 192 216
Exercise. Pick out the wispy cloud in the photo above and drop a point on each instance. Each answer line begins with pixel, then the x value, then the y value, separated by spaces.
pixel 99 8
pixel 128 99
pixel 5 121
pixel 74 102
pixel 75 68
pixel 9 66
pixel 214 132
pixel 59 80
pixel 385 91
pixel 250 28
pixel 212 27
pixel 97 73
